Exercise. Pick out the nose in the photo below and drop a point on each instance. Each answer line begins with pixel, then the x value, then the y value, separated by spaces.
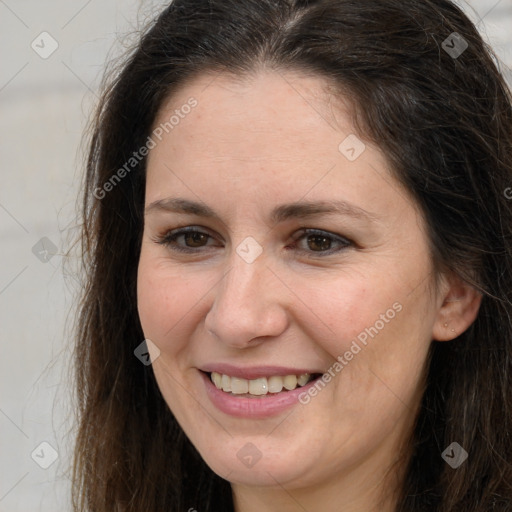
pixel 249 304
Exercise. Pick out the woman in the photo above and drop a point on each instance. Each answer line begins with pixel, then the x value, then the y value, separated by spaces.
pixel 298 251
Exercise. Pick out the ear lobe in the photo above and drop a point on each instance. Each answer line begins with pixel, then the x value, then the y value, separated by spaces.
pixel 459 309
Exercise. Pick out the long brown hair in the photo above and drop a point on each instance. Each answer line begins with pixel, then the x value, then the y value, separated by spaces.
pixel 445 123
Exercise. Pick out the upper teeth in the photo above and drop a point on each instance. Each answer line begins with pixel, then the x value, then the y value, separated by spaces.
pixel 261 386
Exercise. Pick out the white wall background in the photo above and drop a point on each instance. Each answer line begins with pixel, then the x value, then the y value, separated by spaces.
pixel 44 103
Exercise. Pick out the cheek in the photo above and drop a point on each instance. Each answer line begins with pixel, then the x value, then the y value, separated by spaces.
pixel 163 300
pixel 341 310
pixel 375 329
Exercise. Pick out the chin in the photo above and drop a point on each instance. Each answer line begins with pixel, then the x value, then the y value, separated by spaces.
pixel 241 462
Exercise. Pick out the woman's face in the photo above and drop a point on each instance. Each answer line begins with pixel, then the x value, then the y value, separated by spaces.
pixel 305 257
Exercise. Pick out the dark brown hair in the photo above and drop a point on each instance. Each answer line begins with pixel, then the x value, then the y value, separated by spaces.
pixel 445 124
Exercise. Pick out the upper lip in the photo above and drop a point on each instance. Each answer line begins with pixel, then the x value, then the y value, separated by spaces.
pixel 255 372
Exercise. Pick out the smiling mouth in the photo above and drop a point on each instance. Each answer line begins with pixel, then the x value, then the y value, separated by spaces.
pixel 261 387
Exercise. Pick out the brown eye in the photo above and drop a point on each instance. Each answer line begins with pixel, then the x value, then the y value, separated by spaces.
pixel 185 240
pixel 195 239
pixel 321 242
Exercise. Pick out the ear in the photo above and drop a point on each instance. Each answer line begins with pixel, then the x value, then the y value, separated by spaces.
pixel 460 303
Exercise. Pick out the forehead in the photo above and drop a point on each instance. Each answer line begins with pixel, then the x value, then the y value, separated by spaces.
pixel 265 135
pixel 266 104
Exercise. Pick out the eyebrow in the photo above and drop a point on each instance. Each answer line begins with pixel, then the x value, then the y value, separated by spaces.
pixel 297 210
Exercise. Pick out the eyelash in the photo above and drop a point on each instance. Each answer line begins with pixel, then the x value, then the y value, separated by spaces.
pixel 169 238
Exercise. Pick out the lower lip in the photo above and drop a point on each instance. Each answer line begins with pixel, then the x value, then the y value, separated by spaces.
pixel 264 407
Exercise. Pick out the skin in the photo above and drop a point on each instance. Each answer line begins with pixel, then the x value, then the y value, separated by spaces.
pixel 248 146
